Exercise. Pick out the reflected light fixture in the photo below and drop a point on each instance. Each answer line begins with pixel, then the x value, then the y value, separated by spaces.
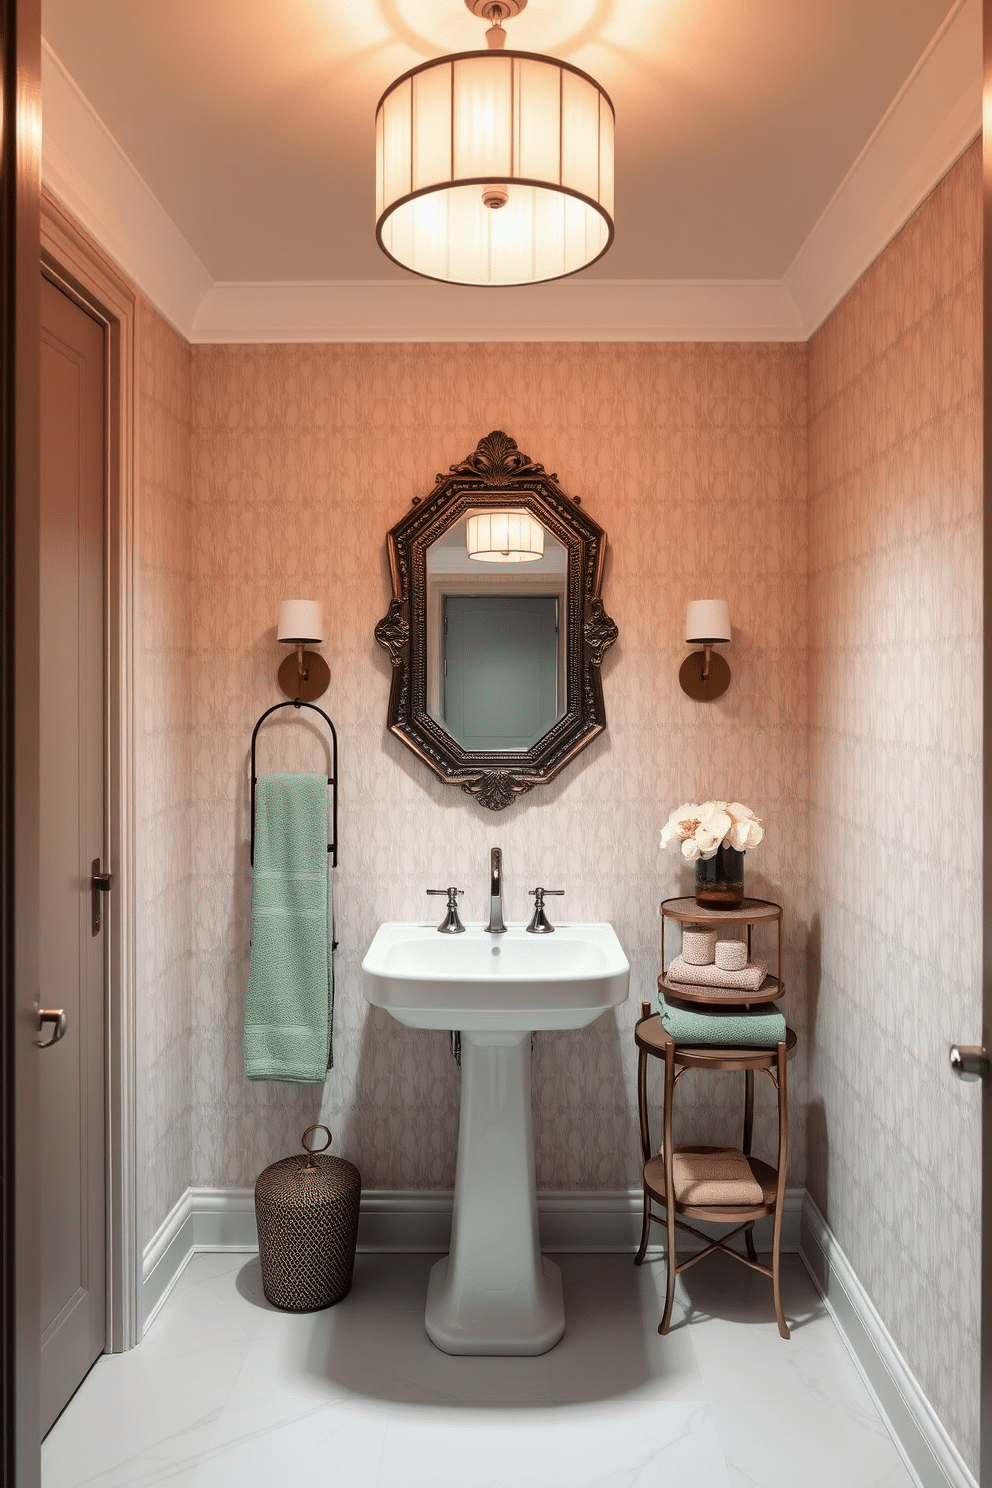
pixel 504 537
pixel 705 675
pixel 306 675
pixel 494 167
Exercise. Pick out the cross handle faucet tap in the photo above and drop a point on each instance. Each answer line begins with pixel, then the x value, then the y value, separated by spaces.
pixel 540 924
pixel 451 924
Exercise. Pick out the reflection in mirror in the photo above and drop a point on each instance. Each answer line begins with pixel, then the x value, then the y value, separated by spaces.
pixel 496 638
pixel 496 629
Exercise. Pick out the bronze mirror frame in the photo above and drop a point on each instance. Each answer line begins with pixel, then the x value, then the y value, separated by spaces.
pixel 496 475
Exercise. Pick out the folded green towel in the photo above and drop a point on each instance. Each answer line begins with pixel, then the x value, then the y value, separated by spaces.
pixel 288 1007
pixel 738 1028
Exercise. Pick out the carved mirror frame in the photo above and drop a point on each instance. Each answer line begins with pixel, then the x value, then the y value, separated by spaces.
pixel 496 475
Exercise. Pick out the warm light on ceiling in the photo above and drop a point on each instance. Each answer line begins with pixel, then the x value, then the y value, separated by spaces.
pixel 494 167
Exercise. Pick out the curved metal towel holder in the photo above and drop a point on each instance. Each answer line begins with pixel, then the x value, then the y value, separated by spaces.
pixel 332 779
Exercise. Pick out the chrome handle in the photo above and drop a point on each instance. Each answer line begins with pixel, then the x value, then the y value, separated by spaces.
pixel 451 924
pixel 59 1023
pixel 540 924
pixel 100 883
pixel 969 1061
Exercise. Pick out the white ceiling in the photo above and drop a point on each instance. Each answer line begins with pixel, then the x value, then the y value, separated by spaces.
pixel 764 148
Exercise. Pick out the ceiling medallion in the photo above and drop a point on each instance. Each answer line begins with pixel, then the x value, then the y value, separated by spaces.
pixel 494 167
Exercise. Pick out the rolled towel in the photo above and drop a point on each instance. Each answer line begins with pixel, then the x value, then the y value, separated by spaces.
pixel 698 944
pixel 729 955
pixel 748 979
pixel 716 1177
pixel 737 1028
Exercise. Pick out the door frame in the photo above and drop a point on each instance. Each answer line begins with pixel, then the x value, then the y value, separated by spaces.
pixel 20 344
pixel 76 266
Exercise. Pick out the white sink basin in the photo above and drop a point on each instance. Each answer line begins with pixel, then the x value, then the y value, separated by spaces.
pixel 479 981
pixel 494 1293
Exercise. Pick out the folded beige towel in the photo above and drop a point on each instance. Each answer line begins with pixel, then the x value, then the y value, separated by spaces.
pixel 698 944
pixel 748 979
pixel 722 1177
pixel 730 955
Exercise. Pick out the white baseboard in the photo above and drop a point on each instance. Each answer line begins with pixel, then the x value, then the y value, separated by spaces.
pixel 912 1420
pixel 410 1220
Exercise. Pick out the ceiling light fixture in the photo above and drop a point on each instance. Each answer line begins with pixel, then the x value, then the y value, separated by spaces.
pixel 494 167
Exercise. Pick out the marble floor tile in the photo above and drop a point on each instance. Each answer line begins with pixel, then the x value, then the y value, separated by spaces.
pixel 226 1391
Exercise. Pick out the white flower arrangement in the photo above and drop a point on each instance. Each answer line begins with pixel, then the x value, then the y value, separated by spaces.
pixel 701 829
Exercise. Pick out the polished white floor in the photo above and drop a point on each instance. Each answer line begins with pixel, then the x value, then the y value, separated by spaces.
pixel 227 1392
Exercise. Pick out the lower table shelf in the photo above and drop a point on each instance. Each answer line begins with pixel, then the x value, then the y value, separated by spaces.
pixel 653 1041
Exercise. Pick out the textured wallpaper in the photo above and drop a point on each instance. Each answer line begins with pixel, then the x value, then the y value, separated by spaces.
pixel 164 775
pixel 693 459
pixel 895 829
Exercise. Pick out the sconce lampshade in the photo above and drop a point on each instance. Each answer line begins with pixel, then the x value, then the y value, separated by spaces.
pixel 301 622
pixel 504 537
pixel 707 621
pixel 494 168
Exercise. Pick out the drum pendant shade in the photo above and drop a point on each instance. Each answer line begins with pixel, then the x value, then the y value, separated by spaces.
pixel 526 130
pixel 504 537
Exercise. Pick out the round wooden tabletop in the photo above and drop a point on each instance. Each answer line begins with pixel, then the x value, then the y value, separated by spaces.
pixel 748 912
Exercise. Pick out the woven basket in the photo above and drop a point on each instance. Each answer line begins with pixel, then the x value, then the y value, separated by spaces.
pixel 306 1208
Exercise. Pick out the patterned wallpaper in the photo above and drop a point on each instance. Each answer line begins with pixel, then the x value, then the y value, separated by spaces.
pixel 895 749
pixel 164 777
pixel 693 459
pixel 269 472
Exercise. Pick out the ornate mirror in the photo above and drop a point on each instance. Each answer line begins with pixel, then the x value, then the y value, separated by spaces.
pixel 496 629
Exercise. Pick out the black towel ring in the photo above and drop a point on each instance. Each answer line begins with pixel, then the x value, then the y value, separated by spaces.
pixel 332 779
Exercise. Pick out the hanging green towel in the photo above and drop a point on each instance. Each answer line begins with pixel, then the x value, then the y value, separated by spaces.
pixel 737 1028
pixel 288 1008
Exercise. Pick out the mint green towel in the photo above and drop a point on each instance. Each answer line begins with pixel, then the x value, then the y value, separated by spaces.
pixel 288 1008
pixel 704 1023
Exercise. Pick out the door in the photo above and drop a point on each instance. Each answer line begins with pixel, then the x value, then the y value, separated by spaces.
pixel 72 845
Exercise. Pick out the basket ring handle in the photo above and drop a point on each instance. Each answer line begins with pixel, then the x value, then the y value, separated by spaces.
pixel 317 1127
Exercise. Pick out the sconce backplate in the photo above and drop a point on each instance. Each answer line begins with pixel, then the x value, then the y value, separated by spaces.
pixel 691 676
pixel 307 688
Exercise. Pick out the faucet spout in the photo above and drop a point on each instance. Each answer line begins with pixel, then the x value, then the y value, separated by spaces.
pixel 496 926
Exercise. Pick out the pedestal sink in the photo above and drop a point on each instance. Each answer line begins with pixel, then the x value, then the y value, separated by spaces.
pixel 494 1293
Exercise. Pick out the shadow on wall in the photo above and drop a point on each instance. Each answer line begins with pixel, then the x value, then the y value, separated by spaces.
pixel 817 1138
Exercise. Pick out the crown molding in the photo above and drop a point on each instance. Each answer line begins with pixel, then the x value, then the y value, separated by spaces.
pixel 933 119
pixel 569 310
pixel 931 122
pixel 85 168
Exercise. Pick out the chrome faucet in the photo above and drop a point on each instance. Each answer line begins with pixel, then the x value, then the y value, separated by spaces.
pixel 496 926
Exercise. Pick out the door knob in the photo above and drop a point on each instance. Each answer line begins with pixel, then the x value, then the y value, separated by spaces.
pixel 59 1023
pixel 100 883
pixel 969 1061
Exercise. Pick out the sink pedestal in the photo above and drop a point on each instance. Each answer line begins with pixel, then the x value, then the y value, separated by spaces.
pixel 494 1293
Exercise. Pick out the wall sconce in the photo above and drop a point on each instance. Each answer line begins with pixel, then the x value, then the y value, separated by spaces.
pixel 306 675
pixel 705 674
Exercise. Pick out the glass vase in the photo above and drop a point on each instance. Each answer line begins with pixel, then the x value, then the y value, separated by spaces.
pixel 720 879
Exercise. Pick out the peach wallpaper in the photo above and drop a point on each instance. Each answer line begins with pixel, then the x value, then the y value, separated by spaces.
pixel 895 379
pixel 693 458
pixel 164 774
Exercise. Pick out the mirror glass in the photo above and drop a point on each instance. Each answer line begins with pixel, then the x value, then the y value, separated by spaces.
pixel 496 636
pixel 496 629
